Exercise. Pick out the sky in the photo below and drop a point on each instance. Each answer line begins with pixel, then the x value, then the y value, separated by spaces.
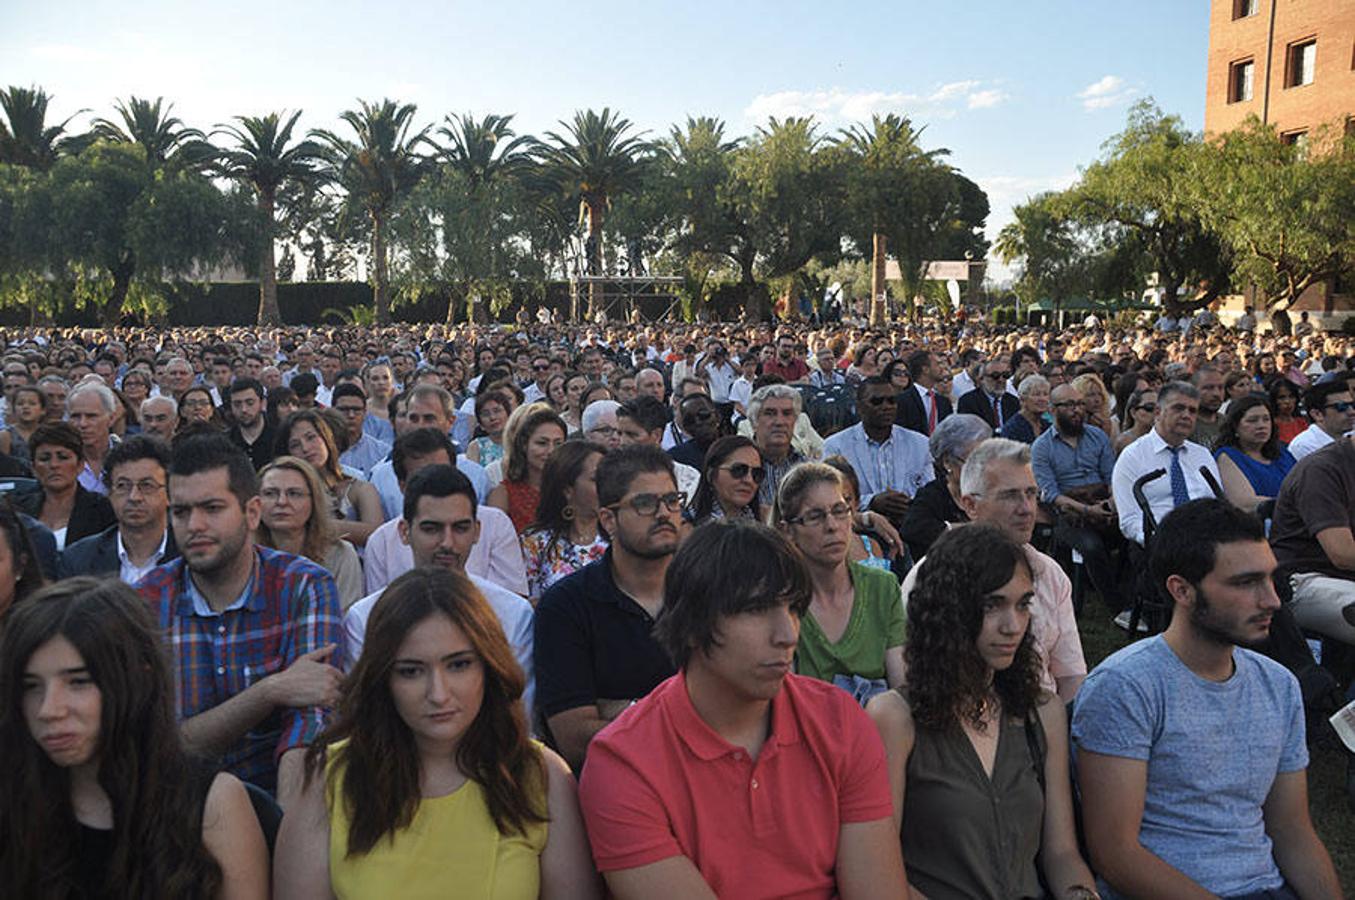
pixel 1023 94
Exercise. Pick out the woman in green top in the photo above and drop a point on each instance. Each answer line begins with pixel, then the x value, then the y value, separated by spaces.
pixel 853 635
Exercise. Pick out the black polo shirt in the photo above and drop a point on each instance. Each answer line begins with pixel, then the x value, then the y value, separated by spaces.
pixel 593 642
pixel 260 452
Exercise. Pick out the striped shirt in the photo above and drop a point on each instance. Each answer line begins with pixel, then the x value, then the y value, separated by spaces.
pixel 290 607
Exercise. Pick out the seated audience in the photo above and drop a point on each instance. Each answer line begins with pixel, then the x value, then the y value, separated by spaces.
pixel 64 504
pixel 295 518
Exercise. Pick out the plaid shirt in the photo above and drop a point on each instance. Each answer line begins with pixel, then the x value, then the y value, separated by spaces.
pixel 290 607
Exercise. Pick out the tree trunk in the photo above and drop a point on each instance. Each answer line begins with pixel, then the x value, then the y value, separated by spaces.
pixel 595 214
pixel 122 281
pixel 381 298
pixel 269 314
pixel 879 288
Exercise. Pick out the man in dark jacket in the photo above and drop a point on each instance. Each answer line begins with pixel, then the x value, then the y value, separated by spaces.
pixel 135 473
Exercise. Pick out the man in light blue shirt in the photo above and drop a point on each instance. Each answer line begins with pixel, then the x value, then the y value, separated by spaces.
pixel 891 462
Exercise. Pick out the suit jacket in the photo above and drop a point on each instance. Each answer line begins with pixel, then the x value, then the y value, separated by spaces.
pixel 977 402
pixel 912 414
pixel 91 513
pixel 98 554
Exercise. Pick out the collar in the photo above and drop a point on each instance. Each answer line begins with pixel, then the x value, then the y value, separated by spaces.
pixel 191 600
pixel 705 743
pixel 155 560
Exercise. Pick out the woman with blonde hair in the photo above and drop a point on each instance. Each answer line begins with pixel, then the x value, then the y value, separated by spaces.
pixel 296 519
pixel 1097 399
pixel 307 434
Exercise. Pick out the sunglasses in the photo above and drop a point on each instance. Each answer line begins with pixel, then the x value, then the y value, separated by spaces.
pixel 740 471
pixel 886 400
pixel 697 415
pixel 1148 407
pixel 1342 406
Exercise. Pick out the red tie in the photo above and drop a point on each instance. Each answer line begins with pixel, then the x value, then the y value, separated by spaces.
pixel 997 412
pixel 931 412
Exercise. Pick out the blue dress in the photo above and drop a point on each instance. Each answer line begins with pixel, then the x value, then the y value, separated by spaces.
pixel 1265 477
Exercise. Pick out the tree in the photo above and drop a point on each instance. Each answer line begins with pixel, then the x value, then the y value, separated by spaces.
pixel 891 184
pixel 1286 211
pixel 25 137
pixel 265 159
pixel 377 172
pixel 1144 188
pixel 595 160
pixel 1044 243
pixel 163 138
pixel 696 166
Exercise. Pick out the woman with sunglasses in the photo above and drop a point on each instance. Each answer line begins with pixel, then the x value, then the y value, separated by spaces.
pixel 102 799
pixel 565 536
pixel 1139 415
pixel 730 479
pixel 854 632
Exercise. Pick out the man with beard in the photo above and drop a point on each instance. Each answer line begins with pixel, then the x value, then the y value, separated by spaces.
pixel 1074 463
pixel 251 631
pixel 1190 748
pixel 251 432
pixel 786 364
pixel 1209 382
pixel 595 649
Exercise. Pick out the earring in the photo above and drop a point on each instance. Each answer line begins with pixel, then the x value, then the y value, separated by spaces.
pixel 567 513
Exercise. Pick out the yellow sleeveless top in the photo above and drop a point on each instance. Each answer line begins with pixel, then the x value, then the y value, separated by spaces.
pixel 450 848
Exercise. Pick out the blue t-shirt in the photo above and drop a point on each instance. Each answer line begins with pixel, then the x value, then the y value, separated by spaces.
pixel 1213 751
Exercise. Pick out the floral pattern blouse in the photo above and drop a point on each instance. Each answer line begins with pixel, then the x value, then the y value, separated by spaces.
pixel 551 557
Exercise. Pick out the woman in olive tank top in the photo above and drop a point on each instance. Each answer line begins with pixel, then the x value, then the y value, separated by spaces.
pixel 978 755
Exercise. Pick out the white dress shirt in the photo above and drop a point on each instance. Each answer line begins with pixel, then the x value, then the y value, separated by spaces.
pixel 1143 456
pixel 129 571
pixel 1309 440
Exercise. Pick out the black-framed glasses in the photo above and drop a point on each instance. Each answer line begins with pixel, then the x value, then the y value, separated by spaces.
pixel 815 517
pixel 740 471
pixel 648 504
pixel 998 376
pixel 1078 404
pixel 1341 405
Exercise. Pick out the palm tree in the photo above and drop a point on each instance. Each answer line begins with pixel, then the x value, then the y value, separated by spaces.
pixel 163 137
pixel 478 150
pixel 595 160
pixel 377 171
pixel 263 160
pixel 885 153
pixel 25 137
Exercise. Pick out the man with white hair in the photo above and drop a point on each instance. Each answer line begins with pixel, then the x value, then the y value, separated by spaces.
pixel 997 486
pixel 599 423
pixel 89 407
pixel 178 377
pixel 160 417
pixel 773 411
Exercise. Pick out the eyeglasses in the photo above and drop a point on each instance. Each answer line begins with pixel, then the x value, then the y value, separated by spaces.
pixel 293 495
pixel 815 517
pixel 604 430
pixel 740 471
pixel 1147 407
pixel 200 403
pixel 998 376
pixel 1077 404
pixel 1342 406
pixel 886 400
pixel 697 415
pixel 648 504
pixel 123 487
pixel 541 368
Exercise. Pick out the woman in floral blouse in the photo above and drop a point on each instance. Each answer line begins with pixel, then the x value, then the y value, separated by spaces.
pixel 565 535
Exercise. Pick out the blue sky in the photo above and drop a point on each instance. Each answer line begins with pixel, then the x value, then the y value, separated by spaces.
pixel 1022 93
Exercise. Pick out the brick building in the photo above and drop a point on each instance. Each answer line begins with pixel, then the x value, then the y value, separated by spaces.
pixel 1289 62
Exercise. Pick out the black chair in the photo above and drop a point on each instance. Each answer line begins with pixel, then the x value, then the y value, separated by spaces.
pixel 267 811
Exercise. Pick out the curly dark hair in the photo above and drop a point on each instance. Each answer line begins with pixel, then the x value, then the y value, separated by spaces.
pixel 156 790
pixel 376 773
pixel 947 679
pixel 1239 408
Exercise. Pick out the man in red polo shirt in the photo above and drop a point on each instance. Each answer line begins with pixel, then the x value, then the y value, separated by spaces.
pixel 787 364
pixel 735 778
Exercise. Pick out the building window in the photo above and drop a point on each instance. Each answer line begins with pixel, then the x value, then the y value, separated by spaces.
pixel 1296 138
pixel 1241 77
pixel 1244 8
pixel 1301 63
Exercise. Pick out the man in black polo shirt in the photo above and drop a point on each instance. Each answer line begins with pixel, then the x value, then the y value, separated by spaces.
pixel 251 431
pixel 595 654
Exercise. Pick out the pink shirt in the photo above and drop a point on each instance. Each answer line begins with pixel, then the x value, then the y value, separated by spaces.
pixel 496 556
pixel 659 783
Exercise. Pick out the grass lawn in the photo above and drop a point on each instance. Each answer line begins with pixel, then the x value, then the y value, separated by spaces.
pixel 1332 817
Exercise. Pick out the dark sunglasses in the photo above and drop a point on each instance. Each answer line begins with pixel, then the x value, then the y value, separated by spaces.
pixel 1342 406
pixel 697 415
pixel 886 400
pixel 740 471
pixel 1148 407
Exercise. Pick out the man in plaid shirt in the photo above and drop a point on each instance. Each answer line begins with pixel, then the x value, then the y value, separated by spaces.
pixel 252 630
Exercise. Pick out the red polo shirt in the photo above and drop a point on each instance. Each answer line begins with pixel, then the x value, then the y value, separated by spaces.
pixel 661 783
pixel 791 371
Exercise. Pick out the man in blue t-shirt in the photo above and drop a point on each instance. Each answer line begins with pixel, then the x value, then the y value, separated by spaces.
pixel 1190 749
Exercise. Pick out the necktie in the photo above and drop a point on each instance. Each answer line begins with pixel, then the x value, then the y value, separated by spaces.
pixel 931 411
pixel 997 412
pixel 1178 475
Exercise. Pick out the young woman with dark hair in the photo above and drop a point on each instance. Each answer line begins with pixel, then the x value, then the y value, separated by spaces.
pixel 730 479
pixel 565 536
pixel 1284 405
pixel 20 571
pixel 101 800
pixel 427 782
pixel 1252 461
pixel 533 433
pixel 971 726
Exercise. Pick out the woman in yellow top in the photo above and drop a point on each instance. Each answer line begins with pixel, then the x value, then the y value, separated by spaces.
pixel 427 784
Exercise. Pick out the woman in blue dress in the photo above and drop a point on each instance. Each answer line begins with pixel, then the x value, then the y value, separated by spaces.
pixel 1252 462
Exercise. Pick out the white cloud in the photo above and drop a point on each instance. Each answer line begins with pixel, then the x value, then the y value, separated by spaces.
pixel 1107 92
pixel 836 106
pixel 1008 191
pixel 67 53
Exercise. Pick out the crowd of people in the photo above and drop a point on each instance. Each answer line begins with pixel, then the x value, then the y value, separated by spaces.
pixel 677 610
